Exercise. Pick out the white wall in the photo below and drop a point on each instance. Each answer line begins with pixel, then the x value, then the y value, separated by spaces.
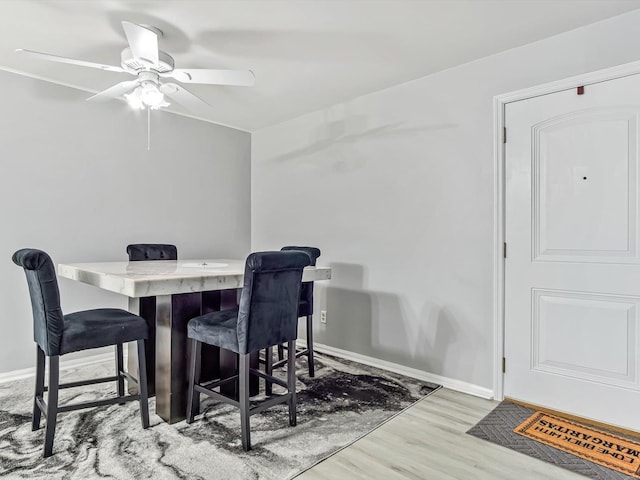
pixel 396 188
pixel 77 181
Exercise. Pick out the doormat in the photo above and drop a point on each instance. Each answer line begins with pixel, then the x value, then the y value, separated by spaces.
pixel 501 424
pixel 595 445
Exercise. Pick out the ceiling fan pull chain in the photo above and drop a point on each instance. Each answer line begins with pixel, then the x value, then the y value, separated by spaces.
pixel 148 129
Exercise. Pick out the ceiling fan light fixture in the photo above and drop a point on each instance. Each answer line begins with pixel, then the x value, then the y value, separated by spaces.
pixel 134 100
pixel 151 96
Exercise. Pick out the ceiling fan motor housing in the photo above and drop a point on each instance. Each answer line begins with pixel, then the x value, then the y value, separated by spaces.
pixel 134 65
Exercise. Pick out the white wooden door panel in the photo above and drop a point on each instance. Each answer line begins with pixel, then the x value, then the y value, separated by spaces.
pixel 584 206
pixel 572 276
pixel 586 320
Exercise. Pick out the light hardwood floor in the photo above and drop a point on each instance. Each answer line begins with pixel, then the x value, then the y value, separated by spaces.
pixel 428 441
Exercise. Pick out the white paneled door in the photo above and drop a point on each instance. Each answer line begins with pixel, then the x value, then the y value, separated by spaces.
pixel 572 272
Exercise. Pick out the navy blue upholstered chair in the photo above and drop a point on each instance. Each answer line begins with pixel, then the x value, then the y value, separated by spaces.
pixel 57 334
pixel 147 308
pixel 267 316
pixel 151 251
pixel 305 309
pixel 210 301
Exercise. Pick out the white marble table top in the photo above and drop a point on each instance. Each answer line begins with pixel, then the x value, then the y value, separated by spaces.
pixel 165 277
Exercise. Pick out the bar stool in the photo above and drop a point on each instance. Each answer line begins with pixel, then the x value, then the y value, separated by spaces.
pixel 147 308
pixel 209 301
pixel 267 316
pixel 151 251
pixel 305 309
pixel 57 334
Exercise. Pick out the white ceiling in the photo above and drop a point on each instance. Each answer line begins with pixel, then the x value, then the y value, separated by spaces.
pixel 305 54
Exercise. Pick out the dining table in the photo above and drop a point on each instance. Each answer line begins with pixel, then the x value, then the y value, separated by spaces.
pixel 178 290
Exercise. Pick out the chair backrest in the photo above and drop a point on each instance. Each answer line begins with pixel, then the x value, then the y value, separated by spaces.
pixel 48 319
pixel 268 312
pixel 151 251
pixel 306 291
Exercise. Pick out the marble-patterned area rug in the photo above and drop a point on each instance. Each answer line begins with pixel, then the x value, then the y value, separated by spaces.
pixel 344 401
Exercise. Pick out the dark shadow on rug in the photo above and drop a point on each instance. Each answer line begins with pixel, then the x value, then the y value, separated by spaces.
pixel 498 426
pixel 345 401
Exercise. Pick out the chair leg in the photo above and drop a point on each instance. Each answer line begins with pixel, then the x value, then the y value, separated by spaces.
pixel 291 383
pixel 52 404
pixel 268 369
pixel 280 352
pixel 193 397
pixel 142 385
pixel 243 381
pixel 312 370
pixel 119 369
pixel 37 413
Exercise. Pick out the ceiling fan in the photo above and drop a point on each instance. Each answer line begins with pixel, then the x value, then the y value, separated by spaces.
pixel 149 64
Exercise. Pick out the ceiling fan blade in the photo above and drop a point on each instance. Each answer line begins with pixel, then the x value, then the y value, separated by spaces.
pixel 244 78
pixel 116 91
pixel 143 42
pixel 186 98
pixel 82 63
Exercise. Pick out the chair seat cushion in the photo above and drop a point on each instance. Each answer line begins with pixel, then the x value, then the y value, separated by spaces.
pixel 99 328
pixel 216 328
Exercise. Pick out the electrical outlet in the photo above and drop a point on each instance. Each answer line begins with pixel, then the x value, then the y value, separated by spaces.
pixel 323 316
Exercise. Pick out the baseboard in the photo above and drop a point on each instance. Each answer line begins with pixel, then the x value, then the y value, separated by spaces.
pixel 450 383
pixel 64 365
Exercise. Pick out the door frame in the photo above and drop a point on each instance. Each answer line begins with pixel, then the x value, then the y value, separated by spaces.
pixel 499 199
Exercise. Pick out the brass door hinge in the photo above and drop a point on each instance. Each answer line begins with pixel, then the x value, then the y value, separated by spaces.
pixel 504 250
pixel 504 134
pixel 504 365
